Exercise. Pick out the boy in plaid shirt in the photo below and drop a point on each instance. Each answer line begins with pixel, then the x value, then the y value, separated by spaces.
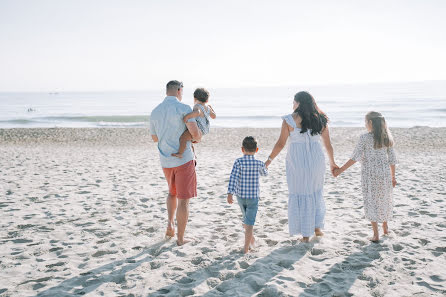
pixel 244 183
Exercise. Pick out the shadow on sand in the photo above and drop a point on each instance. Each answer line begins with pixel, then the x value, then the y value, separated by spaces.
pixel 243 283
pixel 341 276
pixel 113 272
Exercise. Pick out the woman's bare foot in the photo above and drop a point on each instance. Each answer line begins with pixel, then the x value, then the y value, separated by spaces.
pixel 318 232
pixel 178 155
pixel 305 239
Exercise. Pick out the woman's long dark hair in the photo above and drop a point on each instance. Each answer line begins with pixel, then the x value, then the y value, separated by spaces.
pixel 312 117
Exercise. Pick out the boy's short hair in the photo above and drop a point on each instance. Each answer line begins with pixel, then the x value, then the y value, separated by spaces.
pixel 201 94
pixel 249 144
pixel 174 85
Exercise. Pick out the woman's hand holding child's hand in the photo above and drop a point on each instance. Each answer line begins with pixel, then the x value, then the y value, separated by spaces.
pixel 230 199
pixel 336 172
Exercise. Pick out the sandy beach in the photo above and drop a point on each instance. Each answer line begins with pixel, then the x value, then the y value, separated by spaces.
pixel 83 213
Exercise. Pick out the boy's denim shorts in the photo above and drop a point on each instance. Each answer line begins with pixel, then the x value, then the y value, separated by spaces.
pixel 249 210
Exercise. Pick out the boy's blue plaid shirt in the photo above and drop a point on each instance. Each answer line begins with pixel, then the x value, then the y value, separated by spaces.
pixel 244 180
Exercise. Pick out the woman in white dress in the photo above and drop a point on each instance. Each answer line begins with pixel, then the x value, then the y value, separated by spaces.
pixel 305 165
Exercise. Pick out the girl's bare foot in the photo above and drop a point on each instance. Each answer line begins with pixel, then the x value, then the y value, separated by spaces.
pixel 178 155
pixel 374 239
pixel 318 232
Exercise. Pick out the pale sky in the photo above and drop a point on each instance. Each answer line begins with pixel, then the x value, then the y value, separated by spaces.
pixel 92 45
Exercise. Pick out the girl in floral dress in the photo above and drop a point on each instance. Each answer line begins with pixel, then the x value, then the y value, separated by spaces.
pixel 375 152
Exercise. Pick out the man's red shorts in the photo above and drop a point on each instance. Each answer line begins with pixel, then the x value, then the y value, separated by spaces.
pixel 182 180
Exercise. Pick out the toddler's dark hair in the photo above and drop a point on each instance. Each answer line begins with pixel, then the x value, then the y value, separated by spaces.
pixel 201 94
pixel 249 144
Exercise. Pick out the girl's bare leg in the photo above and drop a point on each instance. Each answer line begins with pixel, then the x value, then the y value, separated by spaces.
pixel 184 138
pixel 385 228
pixel 375 232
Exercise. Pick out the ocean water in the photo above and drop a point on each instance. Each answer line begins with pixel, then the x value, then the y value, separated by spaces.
pixel 403 105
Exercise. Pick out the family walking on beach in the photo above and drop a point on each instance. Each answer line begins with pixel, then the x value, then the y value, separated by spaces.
pixel 174 126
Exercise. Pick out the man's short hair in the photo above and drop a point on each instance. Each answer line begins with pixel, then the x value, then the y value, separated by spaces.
pixel 249 144
pixel 174 85
pixel 201 94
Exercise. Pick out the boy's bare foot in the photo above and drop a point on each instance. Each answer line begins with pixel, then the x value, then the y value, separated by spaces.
pixel 252 245
pixel 183 242
pixel 318 232
pixel 178 155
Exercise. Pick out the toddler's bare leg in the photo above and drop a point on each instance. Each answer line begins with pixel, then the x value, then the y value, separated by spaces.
pixel 184 138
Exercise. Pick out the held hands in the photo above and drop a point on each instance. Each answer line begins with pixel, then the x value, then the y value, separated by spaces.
pixel 333 169
pixel 230 199
pixel 336 172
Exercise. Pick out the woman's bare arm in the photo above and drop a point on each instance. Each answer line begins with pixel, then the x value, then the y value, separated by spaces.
pixel 329 148
pixel 280 144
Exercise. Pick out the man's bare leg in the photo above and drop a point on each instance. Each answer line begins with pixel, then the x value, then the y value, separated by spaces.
pixel 184 138
pixel 171 203
pixel 182 217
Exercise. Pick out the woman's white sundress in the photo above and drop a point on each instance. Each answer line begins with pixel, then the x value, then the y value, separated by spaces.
pixel 376 178
pixel 305 171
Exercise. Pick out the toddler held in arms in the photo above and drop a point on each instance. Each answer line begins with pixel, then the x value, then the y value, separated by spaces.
pixel 202 113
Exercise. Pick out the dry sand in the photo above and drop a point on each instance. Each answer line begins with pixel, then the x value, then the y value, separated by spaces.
pixel 82 212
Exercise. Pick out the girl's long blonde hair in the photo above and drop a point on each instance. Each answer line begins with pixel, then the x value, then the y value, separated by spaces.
pixel 381 134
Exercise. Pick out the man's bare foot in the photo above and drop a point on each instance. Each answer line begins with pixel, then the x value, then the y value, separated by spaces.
pixel 305 239
pixel 183 242
pixel 170 232
pixel 318 232
pixel 178 155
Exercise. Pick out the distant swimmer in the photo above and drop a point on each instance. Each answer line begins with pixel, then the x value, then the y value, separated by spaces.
pixel 31 110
